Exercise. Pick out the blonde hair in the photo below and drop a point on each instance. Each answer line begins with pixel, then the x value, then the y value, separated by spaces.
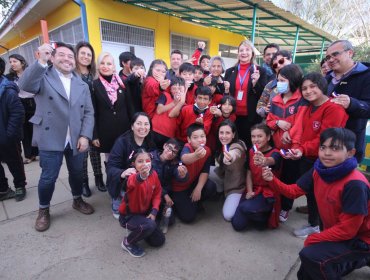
pixel 248 44
pixel 104 55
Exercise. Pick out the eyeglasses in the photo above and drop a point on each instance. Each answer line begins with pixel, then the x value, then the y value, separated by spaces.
pixel 171 149
pixel 333 55
pixel 280 61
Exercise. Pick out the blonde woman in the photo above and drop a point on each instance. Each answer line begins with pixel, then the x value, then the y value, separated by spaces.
pixel 110 104
pixel 247 81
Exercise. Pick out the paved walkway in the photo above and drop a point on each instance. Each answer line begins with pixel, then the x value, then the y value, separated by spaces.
pixel 88 247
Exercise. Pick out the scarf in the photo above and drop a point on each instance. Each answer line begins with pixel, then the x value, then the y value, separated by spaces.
pixel 331 174
pixel 112 87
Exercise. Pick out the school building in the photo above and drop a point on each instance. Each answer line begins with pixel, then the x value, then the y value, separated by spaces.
pixel 151 29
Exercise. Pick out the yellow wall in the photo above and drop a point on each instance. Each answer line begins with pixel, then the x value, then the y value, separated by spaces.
pixel 162 24
pixel 66 13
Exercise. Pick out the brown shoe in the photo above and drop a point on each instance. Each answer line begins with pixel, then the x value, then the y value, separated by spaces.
pixel 43 220
pixel 82 206
pixel 302 209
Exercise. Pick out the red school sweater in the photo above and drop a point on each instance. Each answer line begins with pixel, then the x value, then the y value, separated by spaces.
pixel 142 195
pixel 162 123
pixel 149 95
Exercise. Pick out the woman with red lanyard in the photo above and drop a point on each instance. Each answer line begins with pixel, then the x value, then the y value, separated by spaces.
pixel 247 81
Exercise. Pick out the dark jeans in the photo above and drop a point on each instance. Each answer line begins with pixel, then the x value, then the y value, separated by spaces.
pixel 29 107
pixel 331 260
pixel 50 163
pixel 11 155
pixel 256 209
pixel 186 210
pixel 94 160
pixel 142 228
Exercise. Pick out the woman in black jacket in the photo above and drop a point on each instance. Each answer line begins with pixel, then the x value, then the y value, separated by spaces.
pixel 110 105
pixel 247 81
pixel 86 68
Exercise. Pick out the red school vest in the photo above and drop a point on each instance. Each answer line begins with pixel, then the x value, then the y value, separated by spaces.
pixel 162 123
pixel 194 171
pixel 329 201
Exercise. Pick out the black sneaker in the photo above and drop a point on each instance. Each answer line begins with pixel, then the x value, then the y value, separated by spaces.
pixel 20 194
pixel 7 195
pixel 134 250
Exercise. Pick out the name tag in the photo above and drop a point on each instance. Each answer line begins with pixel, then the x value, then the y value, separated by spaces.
pixel 240 95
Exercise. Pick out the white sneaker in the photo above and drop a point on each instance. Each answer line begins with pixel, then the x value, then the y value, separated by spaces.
pixel 283 216
pixel 116 215
pixel 306 230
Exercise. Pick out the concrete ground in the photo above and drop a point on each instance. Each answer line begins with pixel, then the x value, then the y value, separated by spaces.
pixel 88 247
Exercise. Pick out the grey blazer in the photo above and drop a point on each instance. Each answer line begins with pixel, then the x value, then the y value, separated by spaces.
pixel 54 112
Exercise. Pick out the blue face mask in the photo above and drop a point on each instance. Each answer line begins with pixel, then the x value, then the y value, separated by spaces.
pixel 282 87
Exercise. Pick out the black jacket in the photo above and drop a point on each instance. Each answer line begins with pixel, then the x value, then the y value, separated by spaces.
pixel 11 112
pixel 357 86
pixel 254 93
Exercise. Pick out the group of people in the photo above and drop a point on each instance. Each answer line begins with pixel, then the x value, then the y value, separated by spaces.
pixel 271 132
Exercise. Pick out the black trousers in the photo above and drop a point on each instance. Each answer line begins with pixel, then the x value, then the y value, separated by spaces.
pixel 331 260
pixel 243 126
pixel 186 210
pixel 142 228
pixel 11 154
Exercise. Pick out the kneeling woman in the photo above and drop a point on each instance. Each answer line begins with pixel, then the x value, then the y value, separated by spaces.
pixel 140 206
pixel 257 204
pixel 231 170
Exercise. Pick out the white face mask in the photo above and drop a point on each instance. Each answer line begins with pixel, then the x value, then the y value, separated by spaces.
pixel 282 87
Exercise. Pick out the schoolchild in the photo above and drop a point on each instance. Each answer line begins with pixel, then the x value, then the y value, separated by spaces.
pixel 231 156
pixel 259 205
pixel 281 117
pixel 125 59
pixel 204 62
pixel 169 105
pixel 343 198
pixel 154 85
pixel 197 53
pixel 134 84
pixel 196 113
pixel 187 71
pixel 168 168
pixel 198 76
pixel 140 206
pixel 188 195
pixel 318 115
pixel 224 111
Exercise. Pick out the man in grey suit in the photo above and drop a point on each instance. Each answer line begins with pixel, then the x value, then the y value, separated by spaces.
pixel 63 124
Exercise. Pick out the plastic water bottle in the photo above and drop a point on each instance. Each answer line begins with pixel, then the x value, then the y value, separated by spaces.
pixel 166 219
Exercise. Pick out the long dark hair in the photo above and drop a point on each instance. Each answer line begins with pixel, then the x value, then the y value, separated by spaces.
pixel 219 150
pixel 92 66
pixel 154 63
pixel 21 59
pixel 148 140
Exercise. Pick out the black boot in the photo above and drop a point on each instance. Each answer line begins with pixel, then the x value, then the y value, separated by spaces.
pixel 99 183
pixel 86 192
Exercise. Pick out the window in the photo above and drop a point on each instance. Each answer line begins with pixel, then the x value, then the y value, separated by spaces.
pixel 126 34
pixel 186 45
pixel 228 51
pixel 70 33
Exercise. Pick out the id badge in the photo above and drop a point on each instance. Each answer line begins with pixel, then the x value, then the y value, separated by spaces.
pixel 240 95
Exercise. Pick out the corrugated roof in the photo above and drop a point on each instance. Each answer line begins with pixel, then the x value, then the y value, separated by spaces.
pixel 273 24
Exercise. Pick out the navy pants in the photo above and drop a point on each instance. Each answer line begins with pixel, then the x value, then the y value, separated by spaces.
pixel 11 155
pixel 142 228
pixel 50 163
pixel 255 210
pixel 186 210
pixel 331 260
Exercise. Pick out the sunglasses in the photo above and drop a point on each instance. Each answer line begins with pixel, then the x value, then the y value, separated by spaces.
pixel 280 61
pixel 333 55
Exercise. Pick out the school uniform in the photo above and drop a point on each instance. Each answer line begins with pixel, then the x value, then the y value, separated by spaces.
pixel 188 115
pixel 343 199
pixel 264 208
pixel 142 197
pixel 190 94
pixel 149 95
pixel 133 86
pixel 213 136
pixel 185 209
